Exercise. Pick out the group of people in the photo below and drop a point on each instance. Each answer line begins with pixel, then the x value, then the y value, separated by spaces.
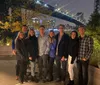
pixel 61 49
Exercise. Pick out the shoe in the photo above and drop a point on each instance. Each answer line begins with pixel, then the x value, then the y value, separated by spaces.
pixel 17 77
pixel 19 84
pixel 35 79
pixel 57 80
pixel 44 80
pixel 71 82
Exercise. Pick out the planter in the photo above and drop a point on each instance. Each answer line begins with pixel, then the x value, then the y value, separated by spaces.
pixel 94 75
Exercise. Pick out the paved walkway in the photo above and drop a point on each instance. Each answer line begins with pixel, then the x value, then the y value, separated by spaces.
pixel 7 74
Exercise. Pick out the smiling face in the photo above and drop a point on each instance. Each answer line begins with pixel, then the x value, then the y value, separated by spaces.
pixel 24 29
pixel 21 35
pixel 31 32
pixel 81 31
pixel 73 35
pixel 41 29
pixel 51 34
pixel 61 29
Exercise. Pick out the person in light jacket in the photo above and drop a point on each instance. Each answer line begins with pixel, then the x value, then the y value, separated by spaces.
pixel 43 46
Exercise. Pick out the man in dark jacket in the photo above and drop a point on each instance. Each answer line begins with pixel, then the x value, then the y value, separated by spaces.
pixel 62 40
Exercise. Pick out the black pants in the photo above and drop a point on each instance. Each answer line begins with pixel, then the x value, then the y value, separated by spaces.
pixel 83 72
pixel 61 68
pixel 50 67
pixel 17 68
pixel 43 66
pixel 22 70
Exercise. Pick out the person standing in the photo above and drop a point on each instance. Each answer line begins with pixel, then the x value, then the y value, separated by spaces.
pixel 32 48
pixel 43 46
pixel 52 54
pixel 25 31
pixel 62 40
pixel 72 55
pixel 85 52
pixel 22 56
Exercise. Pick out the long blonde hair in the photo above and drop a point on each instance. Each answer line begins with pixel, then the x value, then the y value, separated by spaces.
pixel 29 32
pixel 18 36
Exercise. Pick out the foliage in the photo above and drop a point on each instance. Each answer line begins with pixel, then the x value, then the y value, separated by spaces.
pixel 95 34
pixel 94 21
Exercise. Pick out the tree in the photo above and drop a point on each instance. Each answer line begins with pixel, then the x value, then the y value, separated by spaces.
pixel 94 20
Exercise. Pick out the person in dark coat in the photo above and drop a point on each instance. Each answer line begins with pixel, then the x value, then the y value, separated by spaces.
pixel 22 56
pixel 72 54
pixel 25 31
pixel 32 48
pixel 62 40
pixel 52 54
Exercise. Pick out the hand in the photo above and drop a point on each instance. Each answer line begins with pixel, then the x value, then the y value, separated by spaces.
pixel 30 58
pixel 63 58
pixel 84 59
pixel 14 52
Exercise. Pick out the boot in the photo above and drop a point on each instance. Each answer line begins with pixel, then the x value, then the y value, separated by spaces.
pixel 71 82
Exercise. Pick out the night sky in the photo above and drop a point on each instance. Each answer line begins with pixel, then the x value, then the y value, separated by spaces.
pixel 85 6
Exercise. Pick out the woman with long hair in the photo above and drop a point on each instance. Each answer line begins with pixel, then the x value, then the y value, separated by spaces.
pixel 72 54
pixel 22 56
pixel 32 48
pixel 52 54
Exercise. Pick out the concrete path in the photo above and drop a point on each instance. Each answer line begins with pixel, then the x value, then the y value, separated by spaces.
pixel 7 74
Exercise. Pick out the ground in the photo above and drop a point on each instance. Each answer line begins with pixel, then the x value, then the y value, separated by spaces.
pixel 7 74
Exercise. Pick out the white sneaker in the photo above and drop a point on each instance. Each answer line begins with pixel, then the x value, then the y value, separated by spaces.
pixel 19 84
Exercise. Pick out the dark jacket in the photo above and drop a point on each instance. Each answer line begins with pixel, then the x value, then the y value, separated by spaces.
pixel 21 50
pixel 63 45
pixel 32 47
pixel 14 37
pixel 73 48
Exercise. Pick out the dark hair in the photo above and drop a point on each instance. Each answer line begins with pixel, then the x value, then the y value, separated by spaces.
pixel 24 26
pixel 62 25
pixel 42 26
pixel 75 32
pixel 51 31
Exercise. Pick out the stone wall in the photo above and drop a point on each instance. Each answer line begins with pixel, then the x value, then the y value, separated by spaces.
pixel 5 50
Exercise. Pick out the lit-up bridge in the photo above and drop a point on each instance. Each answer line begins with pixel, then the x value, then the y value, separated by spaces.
pixel 56 12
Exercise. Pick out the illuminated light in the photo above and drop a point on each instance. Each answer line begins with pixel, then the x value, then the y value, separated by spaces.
pixel 37 21
pixel 45 5
pixel 8 44
pixel 58 9
pixel 67 12
pixel 38 2
pixel 33 21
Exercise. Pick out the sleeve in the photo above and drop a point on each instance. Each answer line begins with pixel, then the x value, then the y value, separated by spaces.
pixel 90 48
pixel 19 52
pixel 66 46
pixel 37 51
pixel 47 46
pixel 13 40
pixel 13 44
pixel 75 54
